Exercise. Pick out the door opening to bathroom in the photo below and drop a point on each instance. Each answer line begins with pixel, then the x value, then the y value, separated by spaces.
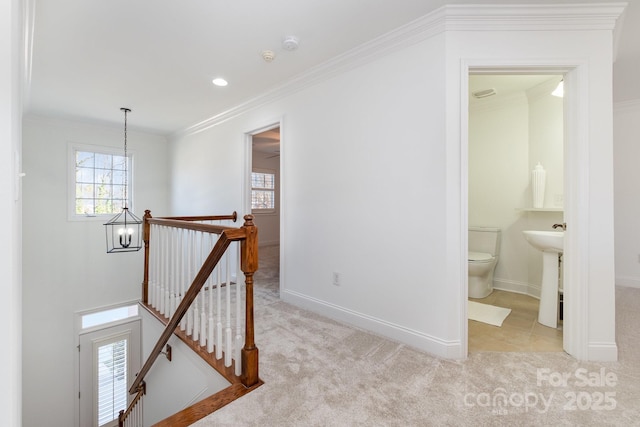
pixel 515 136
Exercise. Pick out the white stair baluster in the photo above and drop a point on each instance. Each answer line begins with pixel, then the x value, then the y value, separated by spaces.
pixel 219 313
pixel 152 265
pixel 238 340
pixel 228 351
pixel 210 281
pixel 167 259
pixel 172 275
pixel 191 244
pixel 163 271
pixel 183 273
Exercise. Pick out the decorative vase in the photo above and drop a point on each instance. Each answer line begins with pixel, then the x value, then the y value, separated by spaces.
pixel 538 178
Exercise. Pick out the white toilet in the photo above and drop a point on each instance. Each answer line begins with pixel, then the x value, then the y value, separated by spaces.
pixel 484 247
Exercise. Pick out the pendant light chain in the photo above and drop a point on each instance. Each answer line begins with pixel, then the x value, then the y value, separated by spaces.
pixel 126 160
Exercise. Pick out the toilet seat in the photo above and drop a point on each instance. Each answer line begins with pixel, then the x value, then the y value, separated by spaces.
pixel 480 257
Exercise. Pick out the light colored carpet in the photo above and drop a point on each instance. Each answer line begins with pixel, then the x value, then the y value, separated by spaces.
pixel 318 372
pixel 487 313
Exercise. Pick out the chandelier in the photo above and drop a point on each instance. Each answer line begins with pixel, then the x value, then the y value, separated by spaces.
pixel 123 231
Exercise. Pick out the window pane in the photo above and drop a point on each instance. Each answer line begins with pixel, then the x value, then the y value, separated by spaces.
pixel 111 315
pixel 118 162
pixel 84 159
pixel 269 180
pixel 263 180
pixel 84 174
pixel 84 207
pixel 103 176
pixel 100 183
pixel 103 207
pixel 84 191
pixel 118 192
pixel 118 177
pixel 112 380
pixel 262 199
pixel 104 161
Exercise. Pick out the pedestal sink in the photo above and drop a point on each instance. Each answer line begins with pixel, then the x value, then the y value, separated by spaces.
pixel 551 243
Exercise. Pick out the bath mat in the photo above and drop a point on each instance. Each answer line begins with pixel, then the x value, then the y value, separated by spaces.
pixel 487 313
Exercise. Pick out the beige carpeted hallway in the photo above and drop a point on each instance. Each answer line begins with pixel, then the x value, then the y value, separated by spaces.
pixel 318 372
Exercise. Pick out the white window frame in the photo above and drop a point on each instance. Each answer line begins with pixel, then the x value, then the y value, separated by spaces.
pixel 275 186
pixel 72 148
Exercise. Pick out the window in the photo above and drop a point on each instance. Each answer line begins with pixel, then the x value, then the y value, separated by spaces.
pixel 112 389
pixel 99 181
pixel 263 185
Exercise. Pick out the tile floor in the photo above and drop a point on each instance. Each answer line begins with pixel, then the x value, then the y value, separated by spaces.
pixel 520 331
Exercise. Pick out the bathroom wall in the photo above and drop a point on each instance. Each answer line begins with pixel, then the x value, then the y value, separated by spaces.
pixel 499 181
pixel 507 137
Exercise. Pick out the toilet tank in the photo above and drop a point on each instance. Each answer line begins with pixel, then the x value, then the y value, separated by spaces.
pixel 484 239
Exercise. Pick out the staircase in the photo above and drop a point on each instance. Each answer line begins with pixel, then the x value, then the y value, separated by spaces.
pixel 198 282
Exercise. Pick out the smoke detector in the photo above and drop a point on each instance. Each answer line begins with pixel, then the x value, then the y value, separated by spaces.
pixel 290 43
pixel 268 55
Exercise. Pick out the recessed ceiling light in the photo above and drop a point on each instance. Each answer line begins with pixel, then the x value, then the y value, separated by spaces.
pixel 220 82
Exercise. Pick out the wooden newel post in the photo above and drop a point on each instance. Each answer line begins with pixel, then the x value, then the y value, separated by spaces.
pixel 146 235
pixel 249 265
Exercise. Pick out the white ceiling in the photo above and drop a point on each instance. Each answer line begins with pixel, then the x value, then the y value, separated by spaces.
pixel 158 57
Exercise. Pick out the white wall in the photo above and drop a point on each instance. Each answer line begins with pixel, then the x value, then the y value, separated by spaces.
pixel 362 172
pixel 268 223
pixel 499 182
pixel 546 140
pixel 176 384
pixel 10 213
pixel 371 189
pixel 627 198
pixel 66 268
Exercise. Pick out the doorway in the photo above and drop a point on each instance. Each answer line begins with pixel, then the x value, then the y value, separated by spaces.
pixel 265 204
pixel 514 124
pixel 109 359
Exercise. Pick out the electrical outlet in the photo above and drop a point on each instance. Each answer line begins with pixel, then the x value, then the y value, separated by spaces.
pixel 336 279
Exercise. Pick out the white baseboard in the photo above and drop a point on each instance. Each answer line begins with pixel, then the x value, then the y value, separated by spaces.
pixel 410 337
pixel 517 287
pixel 628 282
pixel 602 351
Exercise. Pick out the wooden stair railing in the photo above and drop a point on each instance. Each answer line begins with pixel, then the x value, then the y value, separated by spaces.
pixel 247 235
pixel 133 410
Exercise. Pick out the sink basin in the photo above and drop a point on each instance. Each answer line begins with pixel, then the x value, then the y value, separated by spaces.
pixel 545 241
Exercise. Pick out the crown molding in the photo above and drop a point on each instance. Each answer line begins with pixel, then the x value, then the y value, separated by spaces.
pixel 407 35
pixel 542 17
pixel 550 17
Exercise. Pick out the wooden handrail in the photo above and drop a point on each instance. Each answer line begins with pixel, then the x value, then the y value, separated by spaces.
pixel 233 217
pixel 248 236
pixel 122 416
